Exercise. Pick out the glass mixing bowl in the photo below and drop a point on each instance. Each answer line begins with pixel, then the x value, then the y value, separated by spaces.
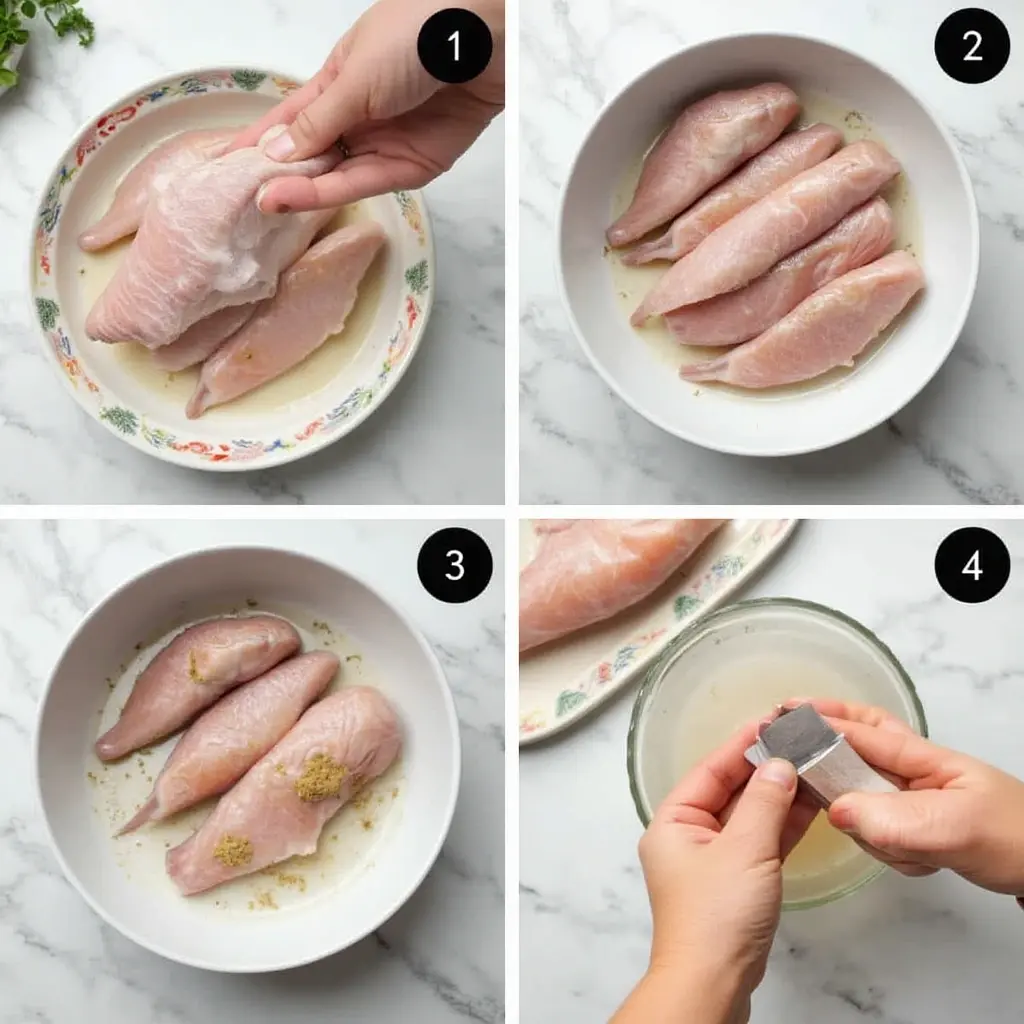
pixel 734 666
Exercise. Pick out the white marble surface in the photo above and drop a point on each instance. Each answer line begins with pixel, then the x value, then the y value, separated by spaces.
pixel 955 443
pixel 51 452
pixel 901 951
pixel 438 961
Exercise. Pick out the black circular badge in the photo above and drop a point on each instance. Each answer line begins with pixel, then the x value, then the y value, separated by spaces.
pixel 972 565
pixel 455 565
pixel 455 45
pixel 972 46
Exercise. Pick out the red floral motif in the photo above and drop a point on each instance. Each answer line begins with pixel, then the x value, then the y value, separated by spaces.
pixel 194 447
pixel 308 432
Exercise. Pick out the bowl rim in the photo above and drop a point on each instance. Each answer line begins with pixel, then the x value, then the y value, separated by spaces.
pixel 941 354
pixel 397 902
pixel 268 459
pixel 707 623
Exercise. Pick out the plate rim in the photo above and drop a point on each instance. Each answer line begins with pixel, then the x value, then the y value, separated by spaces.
pixel 189 455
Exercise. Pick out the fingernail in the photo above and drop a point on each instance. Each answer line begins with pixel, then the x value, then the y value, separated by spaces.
pixel 280 147
pixel 782 773
pixel 841 818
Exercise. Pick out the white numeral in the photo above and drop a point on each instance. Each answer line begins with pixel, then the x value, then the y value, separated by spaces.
pixel 456 557
pixel 971 54
pixel 973 567
pixel 454 38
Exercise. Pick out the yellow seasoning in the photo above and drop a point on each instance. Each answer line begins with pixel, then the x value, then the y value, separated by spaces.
pixel 322 777
pixel 233 851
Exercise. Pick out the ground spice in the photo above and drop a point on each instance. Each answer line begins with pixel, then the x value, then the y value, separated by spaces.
pixel 321 778
pixel 193 669
pixel 293 881
pixel 233 851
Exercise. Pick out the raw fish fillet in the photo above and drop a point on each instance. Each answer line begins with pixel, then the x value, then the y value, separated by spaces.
pixel 196 668
pixel 179 152
pixel 781 161
pixel 203 244
pixel 591 569
pixel 827 330
pixel 313 300
pixel 710 139
pixel 782 222
pixel 202 339
pixel 228 739
pixel 281 805
pixel 728 319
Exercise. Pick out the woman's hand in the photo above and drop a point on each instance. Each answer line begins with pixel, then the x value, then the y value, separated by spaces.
pixel 400 127
pixel 712 859
pixel 955 812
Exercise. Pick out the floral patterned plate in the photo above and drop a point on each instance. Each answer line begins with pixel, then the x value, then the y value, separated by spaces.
pixel 317 402
pixel 562 682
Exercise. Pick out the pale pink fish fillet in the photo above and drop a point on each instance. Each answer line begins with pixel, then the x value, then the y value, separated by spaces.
pixel 710 139
pixel 729 319
pixel 781 161
pixel 313 300
pixel 783 221
pixel 202 339
pixel 129 203
pixel 356 728
pixel 588 570
pixel 827 330
pixel 196 668
pixel 203 244
pixel 228 739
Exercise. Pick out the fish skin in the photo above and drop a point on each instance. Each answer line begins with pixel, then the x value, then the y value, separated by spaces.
pixel 356 727
pixel 708 141
pixel 735 317
pixel 230 737
pixel 828 329
pixel 785 220
pixel 591 569
pixel 782 160
pixel 203 244
pixel 196 668
pixel 313 300
pixel 175 154
pixel 202 339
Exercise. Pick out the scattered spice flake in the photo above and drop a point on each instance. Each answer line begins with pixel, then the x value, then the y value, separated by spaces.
pixel 367 824
pixel 252 602
pixel 293 881
pixel 354 657
pixel 321 778
pixel 321 627
pixel 91 777
pixel 266 900
pixel 252 906
pixel 233 851
pixel 280 768
pixel 193 668
pixel 394 793
pixel 855 119
pixel 111 684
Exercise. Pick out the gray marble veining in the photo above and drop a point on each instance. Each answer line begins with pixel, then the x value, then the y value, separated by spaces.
pixel 439 960
pixel 901 951
pixel 52 453
pixel 955 443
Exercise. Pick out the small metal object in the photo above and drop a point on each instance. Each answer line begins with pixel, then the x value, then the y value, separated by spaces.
pixel 826 764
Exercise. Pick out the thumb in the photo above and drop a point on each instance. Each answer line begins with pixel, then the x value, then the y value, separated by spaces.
pixel 760 814
pixel 318 126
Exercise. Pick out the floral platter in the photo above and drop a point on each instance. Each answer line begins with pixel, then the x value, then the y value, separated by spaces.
pixel 196 99
pixel 562 682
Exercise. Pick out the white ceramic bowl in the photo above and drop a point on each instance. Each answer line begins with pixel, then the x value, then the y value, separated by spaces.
pixel 323 399
pixel 802 420
pixel 367 875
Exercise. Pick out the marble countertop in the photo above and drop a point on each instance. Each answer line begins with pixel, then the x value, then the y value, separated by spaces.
pixel 52 453
pixel 901 951
pixel 580 444
pixel 439 960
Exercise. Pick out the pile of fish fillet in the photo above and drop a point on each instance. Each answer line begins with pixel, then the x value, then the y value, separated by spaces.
pixel 258 727
pixel 209 279
pixel 778 240
pixel 585 571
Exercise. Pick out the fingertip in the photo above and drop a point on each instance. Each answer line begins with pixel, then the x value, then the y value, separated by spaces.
pixel 779 772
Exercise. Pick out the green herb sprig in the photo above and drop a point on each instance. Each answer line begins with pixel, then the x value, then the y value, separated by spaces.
pixel 64 16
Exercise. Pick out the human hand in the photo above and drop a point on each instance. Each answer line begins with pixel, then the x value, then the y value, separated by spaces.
pixel 400 127
pixel 712 859
pixel 954 812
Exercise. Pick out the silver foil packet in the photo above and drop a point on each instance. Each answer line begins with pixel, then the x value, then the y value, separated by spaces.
pixel 825 763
